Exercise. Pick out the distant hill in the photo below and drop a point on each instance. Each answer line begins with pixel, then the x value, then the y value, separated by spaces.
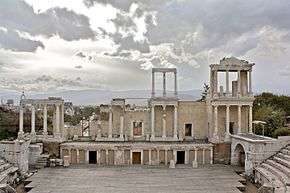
pixel 90 97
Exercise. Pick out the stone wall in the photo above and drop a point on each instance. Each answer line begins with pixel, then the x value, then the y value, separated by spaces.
pixel 35 150
pixel 222 153
pixel 16 152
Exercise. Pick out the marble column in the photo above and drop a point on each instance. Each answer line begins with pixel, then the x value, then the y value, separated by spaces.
pixel 186 157
pixel 78 156
pixel 121 126
pixel 215 83
pixel 164 84
pixel 165 157
pixel 227 136
pixel 211 155
pixel 107 157
pixel 57 120
pixel 33 121
pixel 150 157
pixel 153 85
pixel 175 84
pixel 87 156
pixel 195 155
pixel 99 157
pixel 215 135
pixel 131 155
pixel 203 156
pixel 239 83
pixel 239 119
pixel 175 122
pixel 152 122
pixel 158 156
pixel 174 155
pixel 227 83
pixel 251 119
pixel 250 82
pixel 164 122
pixel 21 132
pixel 110 131
pixel 44 120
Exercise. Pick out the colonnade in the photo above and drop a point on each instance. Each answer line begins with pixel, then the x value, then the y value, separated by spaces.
pixel 164 71
pixel 175 121
pixel 156 161
pixel 214 78
pixel 227 134
pixel 58 121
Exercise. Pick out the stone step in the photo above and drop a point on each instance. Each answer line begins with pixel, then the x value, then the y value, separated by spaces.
pixel 271 166
pixel 283 162
pixel 285 151
pixel 4 167
pixel 284 156
pixel 279 186
pixel 9 170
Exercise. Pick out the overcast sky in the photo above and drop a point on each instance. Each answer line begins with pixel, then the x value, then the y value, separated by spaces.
pixel 52 45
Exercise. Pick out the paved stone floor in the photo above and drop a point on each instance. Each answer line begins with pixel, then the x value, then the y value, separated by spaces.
pixel 212 179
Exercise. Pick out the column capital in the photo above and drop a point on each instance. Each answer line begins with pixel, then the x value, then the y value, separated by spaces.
pixel 164 107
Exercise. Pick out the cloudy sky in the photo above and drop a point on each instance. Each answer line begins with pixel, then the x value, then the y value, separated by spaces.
pixel 54 45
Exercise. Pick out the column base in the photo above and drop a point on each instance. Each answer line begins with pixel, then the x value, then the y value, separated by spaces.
pixel 33 136
pixel 227 138
pixel 152 137
pixel 175 137
pixel 163 136
pixel 45 134
pixel 20 135
pixel 215 138
pixel 194 164
pixel 57 135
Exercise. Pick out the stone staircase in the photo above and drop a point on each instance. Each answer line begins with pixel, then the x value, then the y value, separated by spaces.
pixel 7 171
pixel 276 171
pixel 42 161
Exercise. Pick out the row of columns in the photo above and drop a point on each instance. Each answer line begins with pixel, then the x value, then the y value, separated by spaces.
pixel 215 82
pixel 186 160
pixel 58 120
pixel 227 134
pixel 164 84
pixel 175 122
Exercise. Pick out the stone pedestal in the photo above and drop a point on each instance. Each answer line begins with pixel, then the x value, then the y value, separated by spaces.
pixel 194 164
pixel 66 161
pixel 172 164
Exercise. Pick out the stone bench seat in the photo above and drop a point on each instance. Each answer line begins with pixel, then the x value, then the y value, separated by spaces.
pixel 283 162
pixel 284 156
pixel 271 178
pixel 285 151
pixel 272 167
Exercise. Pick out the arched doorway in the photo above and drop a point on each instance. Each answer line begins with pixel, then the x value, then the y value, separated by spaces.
pixel 240 156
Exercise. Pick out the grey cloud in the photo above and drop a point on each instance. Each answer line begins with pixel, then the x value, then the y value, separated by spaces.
pixel 12 41
pixel 16 15
pixel 78 66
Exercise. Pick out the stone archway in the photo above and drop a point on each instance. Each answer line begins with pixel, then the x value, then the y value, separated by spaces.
pixel 238 156
pixel 240 153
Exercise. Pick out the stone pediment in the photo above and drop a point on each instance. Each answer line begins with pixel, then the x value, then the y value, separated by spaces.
pixel 233 61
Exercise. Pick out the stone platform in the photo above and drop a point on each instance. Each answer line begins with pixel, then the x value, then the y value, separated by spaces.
pixel 87 179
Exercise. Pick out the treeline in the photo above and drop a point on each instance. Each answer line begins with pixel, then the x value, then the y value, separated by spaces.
pixel 273 110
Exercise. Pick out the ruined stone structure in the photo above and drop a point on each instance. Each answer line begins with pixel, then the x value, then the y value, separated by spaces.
pixel 57 104
pixel 169 128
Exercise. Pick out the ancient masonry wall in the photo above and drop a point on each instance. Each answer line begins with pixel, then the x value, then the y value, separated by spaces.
pixel 149 153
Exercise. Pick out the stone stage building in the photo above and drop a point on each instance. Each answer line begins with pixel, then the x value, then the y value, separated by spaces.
pixel 169 128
